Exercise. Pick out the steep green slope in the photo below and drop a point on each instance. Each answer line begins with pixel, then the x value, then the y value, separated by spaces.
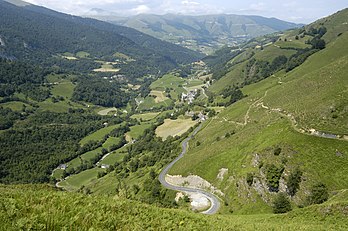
pixel 288 121
pixel 40 207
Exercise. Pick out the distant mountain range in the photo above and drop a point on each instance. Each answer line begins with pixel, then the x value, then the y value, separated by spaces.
pixel 200 33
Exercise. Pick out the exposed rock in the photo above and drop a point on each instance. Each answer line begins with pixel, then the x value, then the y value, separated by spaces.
pixel 179 196
pixel 256 160
pixel 193 181
pixel 221 173
pixel 198 201
pixel 2 43
pixel 262 189
pixel 282 185
pixel 338 153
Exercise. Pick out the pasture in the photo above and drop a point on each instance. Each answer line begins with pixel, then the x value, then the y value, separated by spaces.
pixel 98 135
pixel 145 116
pixel 84 178
pixel 174 127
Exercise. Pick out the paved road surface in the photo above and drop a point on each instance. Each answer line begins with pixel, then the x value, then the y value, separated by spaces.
pixel 215 204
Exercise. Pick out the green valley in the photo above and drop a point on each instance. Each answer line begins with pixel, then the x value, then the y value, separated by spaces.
pixel 105 128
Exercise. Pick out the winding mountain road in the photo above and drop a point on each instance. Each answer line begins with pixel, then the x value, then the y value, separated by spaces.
pixel 214 201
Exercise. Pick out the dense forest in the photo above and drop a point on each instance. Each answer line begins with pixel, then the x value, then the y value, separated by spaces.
pixel 30 152
pixel 23 78
pixel 100 92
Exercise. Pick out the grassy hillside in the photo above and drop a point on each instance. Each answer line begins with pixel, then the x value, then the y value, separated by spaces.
pixel 295 119
pixel 40 207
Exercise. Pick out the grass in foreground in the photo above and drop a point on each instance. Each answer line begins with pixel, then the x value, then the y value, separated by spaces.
pixel 40 207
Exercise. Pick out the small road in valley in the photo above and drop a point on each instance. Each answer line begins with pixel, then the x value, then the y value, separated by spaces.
pixel 214 201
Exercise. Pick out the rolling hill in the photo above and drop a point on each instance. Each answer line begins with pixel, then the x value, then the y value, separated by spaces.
pixel 202 33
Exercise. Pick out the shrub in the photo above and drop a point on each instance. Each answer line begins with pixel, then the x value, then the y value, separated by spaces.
pixel 294 181
pixel 318 194
pixel 277 151
pixel 281 204
pixel 273 174
pixel 250 178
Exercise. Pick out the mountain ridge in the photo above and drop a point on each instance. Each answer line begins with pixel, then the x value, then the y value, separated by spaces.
pixel 210 31
pixel 51 33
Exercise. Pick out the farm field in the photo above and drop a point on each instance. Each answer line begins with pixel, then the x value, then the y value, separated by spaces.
pixel 159 96
pixel 15 105
pixel 115 156
pixel 146 116
pixel 149 103
pixel 98 135
pixel 107 111
pixel 64 88
pixel 137 130
pixel 61 106
pixel 106 68
pixel 174 127
pixel 84 178
pixel 110 141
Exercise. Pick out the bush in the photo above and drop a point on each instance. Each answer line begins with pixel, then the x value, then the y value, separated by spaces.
pixel 318 194
pixel 250 178
pixel 281 204
pixel 294 181
pixel 273 174
pixel 277 151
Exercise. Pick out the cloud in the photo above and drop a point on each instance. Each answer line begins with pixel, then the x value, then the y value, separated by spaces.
pixel 260 6
pixel 291 9
pixel 80 6
pixel 189 3
pixel 141 9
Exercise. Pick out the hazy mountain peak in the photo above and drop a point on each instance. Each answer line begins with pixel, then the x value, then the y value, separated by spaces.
pixel 18 2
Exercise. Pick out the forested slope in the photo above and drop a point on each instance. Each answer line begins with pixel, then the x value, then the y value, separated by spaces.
pixel 37 34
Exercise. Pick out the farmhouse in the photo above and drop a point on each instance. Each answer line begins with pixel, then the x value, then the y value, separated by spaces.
pixel 105 166
pixel 63 166
pixel 189 97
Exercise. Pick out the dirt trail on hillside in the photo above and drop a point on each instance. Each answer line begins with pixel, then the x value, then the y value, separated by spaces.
pixel 294 123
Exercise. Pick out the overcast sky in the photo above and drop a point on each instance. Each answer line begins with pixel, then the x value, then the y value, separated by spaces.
pixel 304 11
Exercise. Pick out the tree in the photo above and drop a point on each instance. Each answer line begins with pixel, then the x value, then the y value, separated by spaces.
pixel 318 43
pixel 273 174
pixel 281 204
pixel 294 181
pixel 318 194
pixel 152 174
